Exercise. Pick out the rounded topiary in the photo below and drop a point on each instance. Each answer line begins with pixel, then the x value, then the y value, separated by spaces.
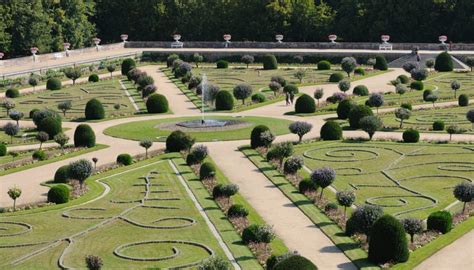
pixel 295 262
pixel 336 77
pixel 58 194
pixel 39 155
pixel 406 106
pixel 357 113
pixel 463 100
pixel 258 98
pixel 224 101
pixel 237 210
pixel 444 62
pixel 344 108
pixel 124 159
pixel 331 130
pixel 207 170
pixel 249 234
pixel 388 242
pixel 359 71
pixel 12 93
pixel 93 78
pixel 411 136
pixel 170 59
pixel 51 125
pixel 84 136
pixel 53 84
pixel 305 104
pixel 441 221
pixel 380 63
pixel 417 85
pixel 255 140
pixel 3 149
pixel 127 65
pixel 222 64
pixel 438 125
pixel 94 110
pixel 157 103
pixel 62 174
pixel 324 65
pixel 32 112
pixel 427 93
pixel 403 79
pixel 306 185
pixel 361 90
pixel 191 159
pixel 178 141
pixel 269 62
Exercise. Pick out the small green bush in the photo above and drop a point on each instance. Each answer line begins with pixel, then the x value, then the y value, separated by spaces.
pixel 331 130
pixel 179 141
pixel 295 262
pixel 443 62
pixel 361 90
pixel 93 78
pixel 426 93
pixel 324 65
pixel 269 62
pixel 344 108
pixel 84 136
pixel 336 77
pixel 222 64
pixel 388 242
pixel 255 140
pixel 306 185
pixel 305 104
pixel 403 79
pixel 127 65
pixel 411 136
pixel 224 101
pixel 124 159
pixel 380 63
pixel 237 210
pixel 258 98
pixel 12 93
pixel 463 100
pixel 32 112
pixel 359 71
pixel 207 170
pixel 157 103
pixel 330 206
pixel 58 194
pixel 94 110
pixel 406 106
pixel 3 150
pixel 357 113
pixel 53 84
pixel 417 85
pixel 441 221
pixel 51 125
pixel 191 159
pixel 438 125
pixel 62 174
pixel 171 58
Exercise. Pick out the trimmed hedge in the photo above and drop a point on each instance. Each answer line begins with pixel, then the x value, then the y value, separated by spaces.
pixel 237 210
pixel 403 79
pixel 357 113
pixel 207 170
pixel 94 110
pixel 84 136
pixel 93 78
pixel 295 262
pixel 127 65
pixel 411 136
pixel 3 150
pixel 255 140
pixel 39 155
pixel 58 194
pixel 336 77
pixel 157 103
pixel 222 64
pixel 324 65
pixel 441 221
pixel 380 63
pixel 62 174
pixel 178 141
pixel 443 62
pixel 124 159
pixel 438 125
pixel 361 90
pixel 344 108
pixel 224 101
pixel 51 125
pixel 306 185
pixel 359 71
pixel 53 84
pixel 170 59
pixel 463 100
pixel 258 98
pixel 305 104
pixel 269 62
pixel 331 130
pixel 388 242
pixel 417 85
pixel 406 106
pixel 12 93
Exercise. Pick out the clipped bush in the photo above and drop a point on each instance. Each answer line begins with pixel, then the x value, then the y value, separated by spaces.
pixel 441 221
pixel 258 98
pixel 84 136
pixel 363 218
pixel 336 77
pixel 417 85
pixel 179 141
pixel 94 110
pixel 157 103
pixel 463 100
pixel 427 93
pixel 237 210
pixel 207 170
pixel 257 233
pixel 170 59
pixel 324 65
pixel 403 79
pixel 51 125
pixel 357 113
pixel 32 112
pixel 3 150
pixel 344 107
pixel 305 104
pixel 388 242
pixel 12 93
pixel 58 194
pixel 53 84
pixel 39 155
pixel 124 159
pixel 359 71
pixel 127 65
pixel 380 63
pixel 411 136
pixel 255 136
pixel 306 185
pixel 406 106
pixel 443 62
pixel 222 64
pixel 330 206
pixel 224 101
pixel 93 78
pixel 269 62
pixel 331 130
pixel 295 262
pixel 438 125
pixel 361 90
pixel 62 174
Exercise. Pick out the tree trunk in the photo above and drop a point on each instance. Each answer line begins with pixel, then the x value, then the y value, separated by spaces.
pixel 300 138
pixel 14 205
pixel 412 236
pixel 401 123
pixel 146 152
pixel 344 217
pixel 321 195
pixel 41 144
pixel 464 207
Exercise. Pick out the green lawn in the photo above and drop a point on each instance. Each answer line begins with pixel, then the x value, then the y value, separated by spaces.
pixel 24 136
pixel 148 129
pixel 106 225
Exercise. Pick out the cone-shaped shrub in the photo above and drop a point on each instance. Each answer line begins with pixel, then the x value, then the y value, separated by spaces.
pixel 94 110
pixel 84 136
pixel 255 140
pixel 388 242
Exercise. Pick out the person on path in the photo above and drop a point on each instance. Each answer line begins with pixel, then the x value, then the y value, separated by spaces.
pixel 292 97
pixel 287 98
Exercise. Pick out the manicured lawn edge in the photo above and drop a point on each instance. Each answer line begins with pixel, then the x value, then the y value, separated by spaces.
pixel 327 226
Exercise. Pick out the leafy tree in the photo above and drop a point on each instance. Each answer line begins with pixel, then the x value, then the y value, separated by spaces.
pixel 267 137
pixel 370 124
pixel 300 74
pixel 8 105
pixel 111 68
pixel 345 198
pixel 16 116
pixel 430 63
pixel 247 59
pixel 197 58
pixel 401 89
pixel 210 93
pixel 453 129
pixel 412 226
pixel 42 137
pixel 464 192
pixel 146 144
pixel 242 91
pixel 95 160
pixel 33 82
pixel 279 79
pixel 300 128
pixel 364 218
pixel 275 87
pixel 470 117
pixel 375 100
pixel 402 114
pixel 281 151
pixel 11 130
pixel 432 98
pixel 455 85
pixel 65 106
pixel 348 64
pixel 323 178
pixel 470 62
pixel 293 164
pixel 214 263
pixel 80 170
pixel 318 94
pixel 419 74
pixel 344 85
pixel 73 74
pixel 14 193
pixel 61 139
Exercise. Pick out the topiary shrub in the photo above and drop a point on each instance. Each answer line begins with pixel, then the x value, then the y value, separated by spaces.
pixel 427 93
pixel 295 262
pixel 443 62
pixel 269 62
pixel 124 159
pixel 3 149
pixel 438 125
pixel 84 136
pixel 255 136
pixel 257 233
pixel 12 93
pixel 417 85
pixel 170 59
pixel 32 112
pixel 361 90
pixel 58 194
pixel 406 106
pixel 359 71
pixel 62 174
pixel 222 64
pixel 380 63
pixel 411 136
pixel 237 210
pixel 441 221
pixel 93 78
pixel 94 110
pixel 306 185
pixel 224 101
pixel 324 65
pixel 305 104
pixel 336 77
pixel 179 141
pixel 331 130
pixel 258 98
pixel 330 206
pixel 463 100
pixel 388 242
pixel 53 84
pixel 51 125
pixel 127 65
pixel 344 108
pixel 357 113
pixel 157 103
pixel 39 155
pixel 403 79
pixel 207 170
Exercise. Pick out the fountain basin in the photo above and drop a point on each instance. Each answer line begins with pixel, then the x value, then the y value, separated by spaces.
pixel 208 123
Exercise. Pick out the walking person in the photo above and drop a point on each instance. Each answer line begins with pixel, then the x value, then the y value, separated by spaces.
pixel 292 97
pixel 287 98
